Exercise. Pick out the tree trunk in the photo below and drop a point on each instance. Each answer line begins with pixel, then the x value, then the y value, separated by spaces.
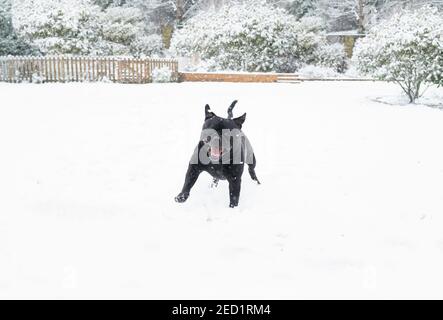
pixel 180 11
pixel 361 16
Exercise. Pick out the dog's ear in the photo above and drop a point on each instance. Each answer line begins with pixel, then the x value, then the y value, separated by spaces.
pixel 240 120
pixel 208 113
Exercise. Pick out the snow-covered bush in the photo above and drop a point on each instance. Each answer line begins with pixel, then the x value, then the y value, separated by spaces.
pixel 406 49
pixel 241 37
pixel 37 78
pixel 299 8
pixel 312 71
pixel 332 56
pixel 5 18
pixel 123 30
pixel 126 32
pixel 161 75
pixel 58 26
pixel 147 46
pixel 311 36
pixel 252 37
pixel 14 45
pixel 121 25
pixel 10 42
pixel 313 48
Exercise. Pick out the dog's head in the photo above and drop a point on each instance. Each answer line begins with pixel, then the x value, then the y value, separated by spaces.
pixel 219 134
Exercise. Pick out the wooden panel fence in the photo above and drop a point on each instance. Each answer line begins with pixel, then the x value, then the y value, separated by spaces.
pixel 228 77
pixel 82 69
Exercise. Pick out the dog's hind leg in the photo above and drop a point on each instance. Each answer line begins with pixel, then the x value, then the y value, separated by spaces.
pixel 252 170
pixel 191 178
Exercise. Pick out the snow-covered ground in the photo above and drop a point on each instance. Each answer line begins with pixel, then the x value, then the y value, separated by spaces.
pixel 350 206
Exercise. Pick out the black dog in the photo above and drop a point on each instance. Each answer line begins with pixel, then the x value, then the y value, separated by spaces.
pixel 222 152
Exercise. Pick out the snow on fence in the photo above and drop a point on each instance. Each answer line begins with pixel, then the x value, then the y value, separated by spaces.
pixel 79 69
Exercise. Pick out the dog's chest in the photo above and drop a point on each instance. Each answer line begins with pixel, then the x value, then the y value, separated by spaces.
pixel 220 171
pixel 217 171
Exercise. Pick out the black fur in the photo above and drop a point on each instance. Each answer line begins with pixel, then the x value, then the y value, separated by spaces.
pixel 231 107
pixel 218 169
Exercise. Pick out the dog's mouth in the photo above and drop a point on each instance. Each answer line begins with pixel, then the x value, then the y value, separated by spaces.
pixel 215 153
pixel 217 147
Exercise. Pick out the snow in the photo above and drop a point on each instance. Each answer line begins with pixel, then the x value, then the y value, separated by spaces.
pixel 350 204
pixel 319 72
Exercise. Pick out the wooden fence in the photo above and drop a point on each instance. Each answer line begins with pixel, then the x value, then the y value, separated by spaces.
pixel 79 69
pixel 228 77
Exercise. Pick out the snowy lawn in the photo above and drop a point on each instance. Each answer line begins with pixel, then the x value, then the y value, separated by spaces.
pixel 350 206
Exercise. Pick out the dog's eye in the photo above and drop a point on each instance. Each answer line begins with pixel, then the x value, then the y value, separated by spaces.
pixel 207 139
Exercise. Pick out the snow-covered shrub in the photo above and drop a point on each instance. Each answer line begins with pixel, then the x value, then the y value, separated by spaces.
pixel 58 26
pixel 311 36
pixel 124 32
pixel 251 37
pixel 299 8
pixel 61 27
pixel 241 37
pixel 312 71
pixel 161 75
pixel 147 46
pixel 313 48
pixel 5 18
pixel 37 78
pixel 121 25
pixel 127 33
pixel 332 56
pixel 406 49
pixel 14 45
pixel 10 42
pixel 104 4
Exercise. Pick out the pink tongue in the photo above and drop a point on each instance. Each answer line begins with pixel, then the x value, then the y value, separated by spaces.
pixel 215 153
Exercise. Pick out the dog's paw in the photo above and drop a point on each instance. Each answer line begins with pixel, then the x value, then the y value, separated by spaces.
pixel 233 205
pixel 182 197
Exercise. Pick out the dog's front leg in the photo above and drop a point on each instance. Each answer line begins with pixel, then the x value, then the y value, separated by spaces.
pixel 214 183
pixel 234 191
pixel 191 178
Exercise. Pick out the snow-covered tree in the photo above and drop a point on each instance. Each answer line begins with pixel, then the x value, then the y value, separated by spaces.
pixel 5 18
pixel 406 49
pixel 57 26
pixel 298 8
pixel 344 14
pixel 375 11
pixel 10 42
pixel 250 37
pixel 123 30
pixel 357 15
pixel 241 37
pixel 332 56
pixel 5 27
pixel 169 11
pixel 104 4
